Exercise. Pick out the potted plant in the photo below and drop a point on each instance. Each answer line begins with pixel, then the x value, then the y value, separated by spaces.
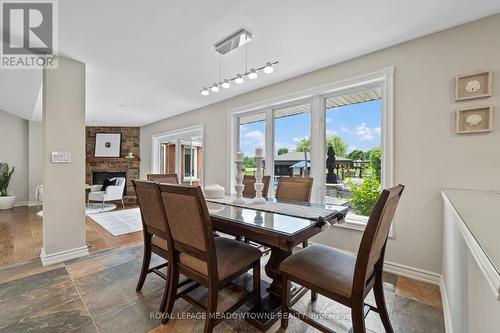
pixel 6 201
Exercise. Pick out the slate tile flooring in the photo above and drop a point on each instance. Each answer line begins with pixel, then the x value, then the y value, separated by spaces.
pixel 97 294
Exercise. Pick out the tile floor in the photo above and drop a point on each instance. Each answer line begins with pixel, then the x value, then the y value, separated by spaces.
pixel 97 294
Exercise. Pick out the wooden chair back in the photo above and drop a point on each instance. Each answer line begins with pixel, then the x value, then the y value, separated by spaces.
pixel 167 178
pixel 371 251
pixel 189 223
pixel 154 219
pixel 249 190
pixel 294 188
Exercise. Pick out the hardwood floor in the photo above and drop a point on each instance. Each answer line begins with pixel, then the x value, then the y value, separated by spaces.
pixel 21 235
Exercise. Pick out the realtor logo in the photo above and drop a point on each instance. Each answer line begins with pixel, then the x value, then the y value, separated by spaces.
pixel 29 34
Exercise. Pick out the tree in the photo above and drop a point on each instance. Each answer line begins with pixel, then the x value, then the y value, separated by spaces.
pixel 304 144
pixel 356 155
pixel 282 151
pixel 339 145
pixel 376 161
pixel 249 162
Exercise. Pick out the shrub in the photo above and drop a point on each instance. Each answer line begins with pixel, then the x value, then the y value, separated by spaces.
pixel 365 196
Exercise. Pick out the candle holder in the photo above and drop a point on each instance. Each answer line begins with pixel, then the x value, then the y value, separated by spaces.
pixel 259 186
pixel 239 183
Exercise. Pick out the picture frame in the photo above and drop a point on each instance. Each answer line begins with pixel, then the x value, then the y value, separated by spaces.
pixel 107 144
pixel 473 85
pixel 477 119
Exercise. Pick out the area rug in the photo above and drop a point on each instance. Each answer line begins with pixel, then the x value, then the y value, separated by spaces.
pixel 119 222
pixel 99 208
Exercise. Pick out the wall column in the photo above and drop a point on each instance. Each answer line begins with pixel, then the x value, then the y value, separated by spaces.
pixel 64 131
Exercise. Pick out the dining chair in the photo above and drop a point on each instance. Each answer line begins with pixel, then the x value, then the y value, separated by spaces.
pixel 249 189
pixel 169 178
pixel 212 262
pixel 344 277
pixel 295 189
pixel 155 230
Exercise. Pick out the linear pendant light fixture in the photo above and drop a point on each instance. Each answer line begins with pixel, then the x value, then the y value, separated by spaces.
pixel 239 38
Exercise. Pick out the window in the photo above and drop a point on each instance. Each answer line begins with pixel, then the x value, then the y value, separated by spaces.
pixel 167 157
pixel 353 150
pixel 292 141
pixel 252 129
pixel 180 152
pixel 189 162
pixel 354 117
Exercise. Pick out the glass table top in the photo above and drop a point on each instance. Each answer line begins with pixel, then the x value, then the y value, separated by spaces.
pixel 276 222
pixel 480 211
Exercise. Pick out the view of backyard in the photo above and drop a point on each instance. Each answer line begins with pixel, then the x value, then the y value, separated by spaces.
pixel 353 163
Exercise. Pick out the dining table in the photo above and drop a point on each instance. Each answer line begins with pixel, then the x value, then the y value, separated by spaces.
pixel 277 225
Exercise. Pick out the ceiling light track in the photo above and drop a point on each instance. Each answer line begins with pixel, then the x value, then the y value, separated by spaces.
pixel 237 39
pixel 252 74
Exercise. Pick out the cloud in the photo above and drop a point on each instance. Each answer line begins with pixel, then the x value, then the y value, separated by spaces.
pixel 328 120
pixel 296 139
pixel 330 132
pixel 366 133
pixel 343 128
pixel 254 135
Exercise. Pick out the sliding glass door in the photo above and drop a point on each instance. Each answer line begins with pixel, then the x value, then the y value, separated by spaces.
pixel 180 152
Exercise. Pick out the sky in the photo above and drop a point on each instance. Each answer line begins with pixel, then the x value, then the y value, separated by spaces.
pixel 358 125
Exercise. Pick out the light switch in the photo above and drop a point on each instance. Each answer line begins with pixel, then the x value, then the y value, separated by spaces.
pixel 61 157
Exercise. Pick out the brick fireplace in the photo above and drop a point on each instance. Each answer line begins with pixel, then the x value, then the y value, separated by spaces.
pixel 114 165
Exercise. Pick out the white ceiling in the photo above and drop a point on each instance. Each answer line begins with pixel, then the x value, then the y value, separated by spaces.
pixel 154 56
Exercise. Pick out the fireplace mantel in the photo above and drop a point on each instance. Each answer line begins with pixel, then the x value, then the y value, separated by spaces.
pixel 113 159
pixel 130 143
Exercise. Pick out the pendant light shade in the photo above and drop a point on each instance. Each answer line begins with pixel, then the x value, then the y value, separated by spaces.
pixel 269 68
pixel 239 79
pixel 253 74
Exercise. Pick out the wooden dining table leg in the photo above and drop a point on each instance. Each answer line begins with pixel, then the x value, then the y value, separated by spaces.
pixel 273 270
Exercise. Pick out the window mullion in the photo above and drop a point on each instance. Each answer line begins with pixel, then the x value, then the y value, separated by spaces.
pixel 318 149
pixel 269 150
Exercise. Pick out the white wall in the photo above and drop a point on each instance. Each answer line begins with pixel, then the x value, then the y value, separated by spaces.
pixel 14 150
pixel 64 131
pixel 428 155
pixel 35 157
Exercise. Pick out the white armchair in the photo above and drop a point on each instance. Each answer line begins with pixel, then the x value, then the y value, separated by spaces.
pixel 112 193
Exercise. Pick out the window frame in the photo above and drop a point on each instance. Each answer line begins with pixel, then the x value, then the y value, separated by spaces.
pixel 157 139
pixel 383 79
pixel 193 163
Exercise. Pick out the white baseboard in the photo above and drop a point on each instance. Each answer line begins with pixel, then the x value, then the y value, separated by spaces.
pixel 446 307
pixel 412 272
pixel 63 256
pixel 21 203
pixel 33 203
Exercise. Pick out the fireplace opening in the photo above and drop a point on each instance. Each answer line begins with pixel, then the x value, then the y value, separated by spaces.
pixel 99 177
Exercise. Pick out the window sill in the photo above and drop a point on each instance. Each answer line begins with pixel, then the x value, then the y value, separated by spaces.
pixel 358 222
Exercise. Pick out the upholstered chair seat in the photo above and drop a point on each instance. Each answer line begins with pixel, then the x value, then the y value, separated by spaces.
pixel 323 266
pixel 232 257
